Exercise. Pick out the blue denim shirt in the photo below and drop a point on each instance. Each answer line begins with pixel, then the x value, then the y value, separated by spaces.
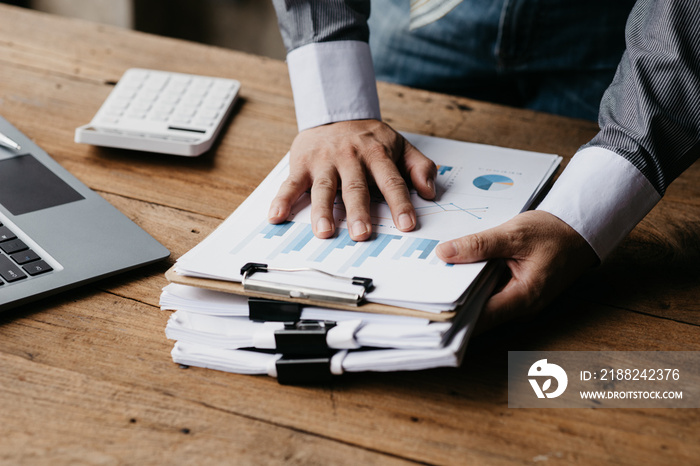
pixel 557 56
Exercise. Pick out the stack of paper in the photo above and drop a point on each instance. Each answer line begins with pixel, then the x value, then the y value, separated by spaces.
pixel 213 330
pixel 478 187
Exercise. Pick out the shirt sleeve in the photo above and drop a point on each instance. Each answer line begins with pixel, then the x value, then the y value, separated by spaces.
pixel 329 60
pixel 650 128
pixel 602 196
pixel 304 22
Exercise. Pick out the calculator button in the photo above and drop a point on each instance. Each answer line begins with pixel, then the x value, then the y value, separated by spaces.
pixel 180 82
pixel 114 112
pixel 154 85
pixel 11 247
pixel 192 99
pixel 125 94
pixel 136 115
pixel 219 95
pixel 203 123
pixel 140 106
pixel 208 114
pixel 163 106
pixel 202 83
pixel 6 234
pixel 9 271
pixel 213 105
pixel 25 257
pixel 149 96
pixel 185 112
pixel 170 98
pixel 128 90
pixel 109 119
pixel 37 268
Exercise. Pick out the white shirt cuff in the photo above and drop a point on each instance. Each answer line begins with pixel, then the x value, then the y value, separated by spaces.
pixel 602 196
pixel 333 81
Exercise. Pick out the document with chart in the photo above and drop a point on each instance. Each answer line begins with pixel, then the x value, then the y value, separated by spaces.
pixel 478 187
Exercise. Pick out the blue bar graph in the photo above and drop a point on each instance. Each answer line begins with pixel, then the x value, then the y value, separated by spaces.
pixel 295 240
pixel 375 248
pixel 371 248
pixel 442 169
pixel 339 242
pixel 276 230
pixel 301 240
pixel 423 245
pixel 246 241
pixel 293 237
pixel 268 230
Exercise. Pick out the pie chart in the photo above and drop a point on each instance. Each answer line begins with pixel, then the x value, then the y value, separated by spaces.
pixel 493 182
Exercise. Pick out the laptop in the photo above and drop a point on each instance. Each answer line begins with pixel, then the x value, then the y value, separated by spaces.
pixel 55 232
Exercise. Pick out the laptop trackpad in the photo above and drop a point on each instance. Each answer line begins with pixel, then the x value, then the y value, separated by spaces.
pixel 26 185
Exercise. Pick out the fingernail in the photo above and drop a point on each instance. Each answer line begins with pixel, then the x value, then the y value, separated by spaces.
pixel 273 213
pixel 405 222
pixel 358 229
pixel 323 226
pixel 431 185
pixel 446 249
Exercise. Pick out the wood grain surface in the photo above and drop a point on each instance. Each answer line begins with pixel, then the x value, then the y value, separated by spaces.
pixel 86 377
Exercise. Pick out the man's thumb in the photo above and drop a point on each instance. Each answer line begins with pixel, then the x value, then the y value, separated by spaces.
pixel 481 246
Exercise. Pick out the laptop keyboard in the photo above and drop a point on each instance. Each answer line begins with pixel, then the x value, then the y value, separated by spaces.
pixel 17 260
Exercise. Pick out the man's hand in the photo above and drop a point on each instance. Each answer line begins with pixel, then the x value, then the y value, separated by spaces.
pixel 544 255
pixel 351 155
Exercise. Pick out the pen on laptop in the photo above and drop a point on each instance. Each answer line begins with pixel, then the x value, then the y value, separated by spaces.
pixel 7 142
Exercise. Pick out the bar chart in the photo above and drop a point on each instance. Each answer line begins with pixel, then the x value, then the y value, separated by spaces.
pixel 340 253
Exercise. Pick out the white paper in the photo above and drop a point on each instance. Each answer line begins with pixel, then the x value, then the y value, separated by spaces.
pixel 478 187
pixel 240 332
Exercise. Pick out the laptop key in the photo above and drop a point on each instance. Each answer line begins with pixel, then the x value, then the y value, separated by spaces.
pixel 25 257
pixel 6 234
pixel 11 247
pixel 9 271
pixel 37 268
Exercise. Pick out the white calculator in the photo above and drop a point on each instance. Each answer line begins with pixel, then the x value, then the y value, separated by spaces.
pixel 158 111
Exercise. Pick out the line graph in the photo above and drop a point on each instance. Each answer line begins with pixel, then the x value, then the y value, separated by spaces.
pixel 381 216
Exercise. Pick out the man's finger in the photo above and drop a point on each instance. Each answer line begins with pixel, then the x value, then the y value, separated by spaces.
pixel 420 170
pixel 356 198
pixel 290 191
pixel 392 185
pixel 323 192
pixel 488 244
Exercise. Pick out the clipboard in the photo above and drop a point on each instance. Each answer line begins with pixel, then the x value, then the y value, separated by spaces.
pixel 237 288
pixel 302 353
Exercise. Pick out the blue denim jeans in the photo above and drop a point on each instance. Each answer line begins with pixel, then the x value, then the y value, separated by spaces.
pixel 556 56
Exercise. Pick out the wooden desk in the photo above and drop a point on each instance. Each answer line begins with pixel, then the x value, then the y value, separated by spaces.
pixel 86 377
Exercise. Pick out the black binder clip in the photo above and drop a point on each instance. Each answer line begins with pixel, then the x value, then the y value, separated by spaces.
pixel 296 371
pixel 270 310
pixel 293 291
pixel 304 338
